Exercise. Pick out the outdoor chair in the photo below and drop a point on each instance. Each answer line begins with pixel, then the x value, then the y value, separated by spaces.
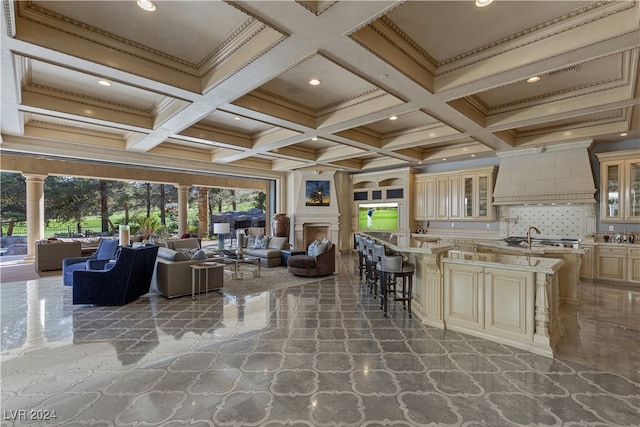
pixel 107 249
pixel 120 282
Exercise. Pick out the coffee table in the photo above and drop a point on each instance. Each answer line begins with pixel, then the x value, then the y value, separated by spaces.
pixel 235 263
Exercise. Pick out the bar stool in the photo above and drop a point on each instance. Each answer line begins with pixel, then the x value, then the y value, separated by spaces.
pixel 378 252
pixel 393 268
pixel 370 262
pixel 361 256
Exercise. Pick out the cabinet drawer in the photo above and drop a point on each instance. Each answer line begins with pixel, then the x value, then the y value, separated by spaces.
pixel 612 251
pixel 634 252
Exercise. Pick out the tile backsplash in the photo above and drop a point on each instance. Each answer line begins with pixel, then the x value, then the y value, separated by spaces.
pixel 554 222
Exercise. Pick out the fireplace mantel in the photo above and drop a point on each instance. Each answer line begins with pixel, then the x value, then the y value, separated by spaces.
pixel 315 225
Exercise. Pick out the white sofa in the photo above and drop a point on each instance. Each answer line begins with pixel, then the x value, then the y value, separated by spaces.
pixel 271 256
pixel 172 276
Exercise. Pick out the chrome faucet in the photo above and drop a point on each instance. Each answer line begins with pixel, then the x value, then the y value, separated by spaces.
pixel 537 230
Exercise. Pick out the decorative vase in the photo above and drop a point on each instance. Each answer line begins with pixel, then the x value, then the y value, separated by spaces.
pixel 124 235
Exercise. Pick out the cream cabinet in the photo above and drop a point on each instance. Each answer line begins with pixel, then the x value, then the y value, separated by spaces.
pixel 466 195
pixel 633 265
pixel 476 196
pixel 611 263
pixel 586 266
pixel 425 201
pixel 619 186
pixel 442 197
pixel 497 301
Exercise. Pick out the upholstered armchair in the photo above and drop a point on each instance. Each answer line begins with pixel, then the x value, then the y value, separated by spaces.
pixel 107 249
pixel 120 282
pixel 319 264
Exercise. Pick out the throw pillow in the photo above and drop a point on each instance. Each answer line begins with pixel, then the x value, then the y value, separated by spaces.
pixel 187 252
pixel 251 241
pixel 199 254
pixel 261 242
pixel 320 248
pixel 311 250
pixel 277 243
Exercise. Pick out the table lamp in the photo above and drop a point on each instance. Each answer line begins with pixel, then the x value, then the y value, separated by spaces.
pixel 220 228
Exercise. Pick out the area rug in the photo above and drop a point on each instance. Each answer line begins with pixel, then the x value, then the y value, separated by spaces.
pixel 271 279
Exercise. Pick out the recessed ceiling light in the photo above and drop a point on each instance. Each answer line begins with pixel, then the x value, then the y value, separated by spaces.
pixel 314 82
pixel 533 79
pixel 315 138
pixel 147 5
pixel 237 118
pixel 393 118
pixel 483 3
pixel 104 83
pixel 473 155
pixel 624 134
pixel 445 159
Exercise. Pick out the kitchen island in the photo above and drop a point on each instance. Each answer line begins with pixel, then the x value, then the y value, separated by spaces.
pixel 504 298
pixel 568 276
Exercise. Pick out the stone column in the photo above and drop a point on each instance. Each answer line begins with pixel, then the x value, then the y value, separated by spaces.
pixel 183 206
pixel 35 213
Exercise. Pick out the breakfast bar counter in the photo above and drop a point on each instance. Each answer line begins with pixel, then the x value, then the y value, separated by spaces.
pixel 426 254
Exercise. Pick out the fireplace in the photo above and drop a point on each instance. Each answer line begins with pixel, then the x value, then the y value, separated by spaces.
pixel 308 228
pixel 311 232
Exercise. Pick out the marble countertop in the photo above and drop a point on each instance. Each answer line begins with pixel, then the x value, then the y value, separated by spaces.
pixel 510 262
pixel 536 249
pixel 428 246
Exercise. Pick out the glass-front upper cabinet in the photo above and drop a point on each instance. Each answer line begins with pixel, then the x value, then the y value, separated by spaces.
pixel 619 186
pixel 483 196
pixel 634 189
pixel 612 187
pixel 467 197
pixel 477 196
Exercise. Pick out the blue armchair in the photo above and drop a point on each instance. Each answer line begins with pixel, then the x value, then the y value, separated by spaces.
pixel 107 249
pixel 121 282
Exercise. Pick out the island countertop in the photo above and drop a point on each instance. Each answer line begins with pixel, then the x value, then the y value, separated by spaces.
pixel 536 248
pixel 420 246
pixel 509 262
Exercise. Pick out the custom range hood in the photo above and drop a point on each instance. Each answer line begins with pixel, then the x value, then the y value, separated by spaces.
pixel 558 173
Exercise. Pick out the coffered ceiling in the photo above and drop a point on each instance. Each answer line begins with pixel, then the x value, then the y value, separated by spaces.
pixel 224 86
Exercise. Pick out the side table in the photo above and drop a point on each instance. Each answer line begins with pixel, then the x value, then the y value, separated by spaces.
pixel 285 254
pixel 196 270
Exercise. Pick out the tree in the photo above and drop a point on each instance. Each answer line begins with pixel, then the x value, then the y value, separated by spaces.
pixel 71 199
pixel 163 202
pixel 218 196
pixel 13 195
pixel 104 205
pixel 260 200
pixel 232 197
pixel 120 195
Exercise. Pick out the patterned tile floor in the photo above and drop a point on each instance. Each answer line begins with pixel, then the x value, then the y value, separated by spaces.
pixel 319 354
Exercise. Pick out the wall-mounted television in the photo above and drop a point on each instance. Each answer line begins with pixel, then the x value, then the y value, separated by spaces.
pixel 378 216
